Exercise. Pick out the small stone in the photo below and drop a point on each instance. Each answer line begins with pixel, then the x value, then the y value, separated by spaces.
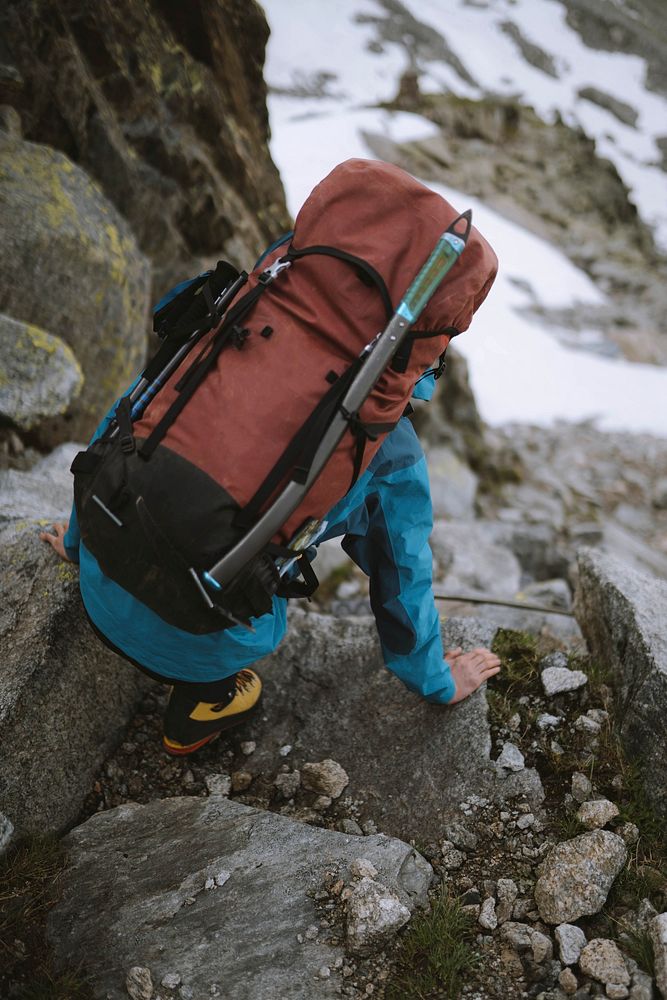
pixel 324 972
pixel 516 935
pixel 241 780
pixel 584 724
pixel 285 750
pixel 369 828
pixel 511 758
pixel 525 821
pixel 288 784
pixel 209 883
pixel 222 878
pixel 658 933
pixel 629 832
pixel 487 915
pixel 248 747
pixel 363 868
pixel 571 940
pixel 568 982
pixel 186 993
pixel 582 789
pixel 171 981
pixel 598 715
pixel 541 947
pixel 514 722
pixel 461 836
pixel 374 915
pixel 451 857
pixel 350 826
pixel 326 777
pixel 602 960
pixel 617 991
pixel 139 983
pixel 312 932
pixel 218 784
pixel 546 721
pixel 322 803
pixel 559 680
pixel 577 875
pixel 596 813
pixel 557 660
pixel 507 892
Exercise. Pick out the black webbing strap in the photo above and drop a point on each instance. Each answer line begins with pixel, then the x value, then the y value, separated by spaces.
pixel 401 359
pixel 189 310
pixel 124 422
pixel 299 453
pixel 367 271
pixel 201 367
pixel 364 432
pixel 300 588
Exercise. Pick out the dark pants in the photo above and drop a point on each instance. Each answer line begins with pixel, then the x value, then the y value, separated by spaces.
pixel 186 694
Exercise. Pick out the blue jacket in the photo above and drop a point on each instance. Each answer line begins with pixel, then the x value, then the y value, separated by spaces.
pixel 385 521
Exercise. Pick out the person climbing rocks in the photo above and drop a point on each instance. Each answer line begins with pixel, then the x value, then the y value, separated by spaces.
pixel 385 516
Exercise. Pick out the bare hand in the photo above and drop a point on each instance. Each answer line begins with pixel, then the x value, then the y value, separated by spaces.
pixel 471 670
pixel 57 541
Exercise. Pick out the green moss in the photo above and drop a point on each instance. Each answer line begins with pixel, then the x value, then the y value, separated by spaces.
pixel 435 953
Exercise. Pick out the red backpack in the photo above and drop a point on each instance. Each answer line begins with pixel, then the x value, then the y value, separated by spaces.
pixel 178 480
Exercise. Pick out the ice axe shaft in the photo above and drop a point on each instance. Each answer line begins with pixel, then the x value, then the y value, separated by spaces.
pixel 377 354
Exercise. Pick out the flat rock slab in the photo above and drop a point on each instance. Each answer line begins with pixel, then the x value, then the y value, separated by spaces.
pixel 412 764
pixel 134 895
pixel 623 615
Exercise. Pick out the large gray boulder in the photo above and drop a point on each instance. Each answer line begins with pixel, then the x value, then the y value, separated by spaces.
pixel 219 897
pixel 623 616
pixel 39 377
pixel 64 698
pixel 71 266
pixel 411 764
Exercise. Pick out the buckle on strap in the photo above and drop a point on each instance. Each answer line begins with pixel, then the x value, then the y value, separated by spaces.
pixel 272 272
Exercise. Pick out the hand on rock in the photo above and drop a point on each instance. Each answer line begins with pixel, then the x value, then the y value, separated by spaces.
pixel 471 670
pixel 57 541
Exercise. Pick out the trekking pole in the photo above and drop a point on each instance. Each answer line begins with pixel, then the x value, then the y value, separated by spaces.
pixel 377 355
pixel 145 391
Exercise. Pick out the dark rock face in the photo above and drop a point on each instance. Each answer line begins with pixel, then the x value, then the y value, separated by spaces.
pixel 622 616
pixel 164 105
pixel 212 894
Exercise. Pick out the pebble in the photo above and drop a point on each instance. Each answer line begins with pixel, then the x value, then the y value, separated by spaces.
pixel 582 789
pixel 525 821
pixel 322 803
pixel 487 915
pixel 285 750
pixel 363 868
pixel 541 947
pixel 546 721
pixel 452 858
pixel 616 991
pixel 171 981
pixel 350 826
pixel 186 993
pixel 568 982
pixel 374 915
pixel 324 972
pixel 558 680
pixel 577 875
pixel 602 960
pixel 221 878
pixel 571 941
pixel 312 932
pixel 139 983
pixel 629 832
pixel 288 784
pixel 241 780
pixel 507 892
pixel 511 758
pixel 326 777
pixel 584 724
pixel 596 813
pixel 461 836
pixel 557 660
pixel 218 784
pixel 248 747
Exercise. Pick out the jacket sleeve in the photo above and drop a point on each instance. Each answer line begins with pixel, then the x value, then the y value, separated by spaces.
pixel 389 542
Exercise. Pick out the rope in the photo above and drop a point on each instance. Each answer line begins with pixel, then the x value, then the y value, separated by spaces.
pixel 486 599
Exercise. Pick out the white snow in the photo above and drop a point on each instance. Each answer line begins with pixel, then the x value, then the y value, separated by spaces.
pixel 519 370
